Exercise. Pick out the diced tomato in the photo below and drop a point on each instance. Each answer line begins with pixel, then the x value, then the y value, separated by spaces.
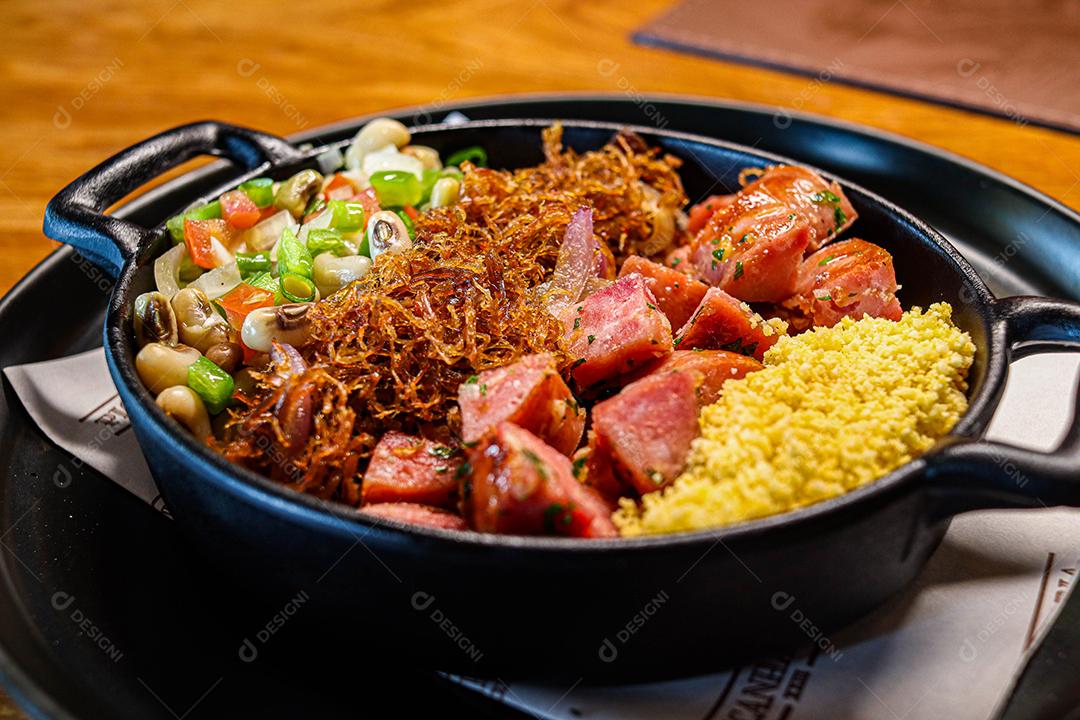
pixel 369 200
pixel 339 181
pixel 242 299
pixel 239 210
pixel 267 211
pixel 339 188
pixel 340 193
pixel 197 235
pixel 250 355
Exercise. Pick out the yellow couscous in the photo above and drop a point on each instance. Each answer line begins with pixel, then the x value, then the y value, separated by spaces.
pixel 834 409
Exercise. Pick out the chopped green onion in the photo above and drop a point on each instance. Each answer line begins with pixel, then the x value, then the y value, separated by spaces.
pixel 407 221
pixel 250 263
pixel 427 183
pixel 346 216
pixel 292 255
pixel 323 240
pixel 260 191
pixel 475 154
pixel 209 211
pixel 316 204
pixel 297 288
pixel 263 281
pixel 395 187
pixel 825 196
pixel 175 224
pixel 214 385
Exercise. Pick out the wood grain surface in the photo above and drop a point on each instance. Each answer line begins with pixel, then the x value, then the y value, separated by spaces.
pixel 81 80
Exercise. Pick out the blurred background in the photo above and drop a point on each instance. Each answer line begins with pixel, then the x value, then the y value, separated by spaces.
pixel 82 80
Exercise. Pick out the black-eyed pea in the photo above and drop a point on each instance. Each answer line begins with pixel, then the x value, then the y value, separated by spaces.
pixel 186 407
pixel 154 320
pixel 332 273
pixel 287 324
pixel 226 355
pixel 161 366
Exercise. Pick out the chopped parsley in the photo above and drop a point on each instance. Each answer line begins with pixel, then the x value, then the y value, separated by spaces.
pixel 825 298
pixel 738 347
pixel 591 339
pixel 556 515
pixel 830 198
pixel 718 254
pixel 744 238
pixel 677 341
pixel 440 451
pixel 577 362
pixel 483 389
pixel 825 196
pixel 441 469
pixel 650 306
pixel 577 323
pixel 675 262
pixel 738 270
pixel 827 260
pixel 473 379
pixel 537 463
pixel 655 475
pixel 464 470
pixel 580 309
pixel 579 465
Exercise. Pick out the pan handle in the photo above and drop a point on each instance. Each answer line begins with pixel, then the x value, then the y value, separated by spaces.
pixel 76 215
pixel 970 474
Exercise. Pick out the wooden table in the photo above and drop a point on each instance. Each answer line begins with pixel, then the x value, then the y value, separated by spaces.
pixel 80 80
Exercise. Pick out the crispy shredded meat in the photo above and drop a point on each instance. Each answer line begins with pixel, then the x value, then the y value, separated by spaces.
pixel 390 351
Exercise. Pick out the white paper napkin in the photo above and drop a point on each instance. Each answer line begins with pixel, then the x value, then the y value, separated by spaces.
pixel 949 647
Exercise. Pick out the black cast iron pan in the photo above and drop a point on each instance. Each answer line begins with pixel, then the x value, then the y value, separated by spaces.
pixel 635 608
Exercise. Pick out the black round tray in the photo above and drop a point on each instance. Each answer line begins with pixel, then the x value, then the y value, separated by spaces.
pixel 156 635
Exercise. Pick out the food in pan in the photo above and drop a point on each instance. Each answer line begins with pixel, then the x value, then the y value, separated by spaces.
pixel 553 350
pixel 833 409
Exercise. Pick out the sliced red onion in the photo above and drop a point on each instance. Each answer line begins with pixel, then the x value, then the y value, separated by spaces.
pixel 575 264
pixel 287 360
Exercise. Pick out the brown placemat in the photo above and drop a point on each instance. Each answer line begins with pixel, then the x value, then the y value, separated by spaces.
pixel 1016 59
